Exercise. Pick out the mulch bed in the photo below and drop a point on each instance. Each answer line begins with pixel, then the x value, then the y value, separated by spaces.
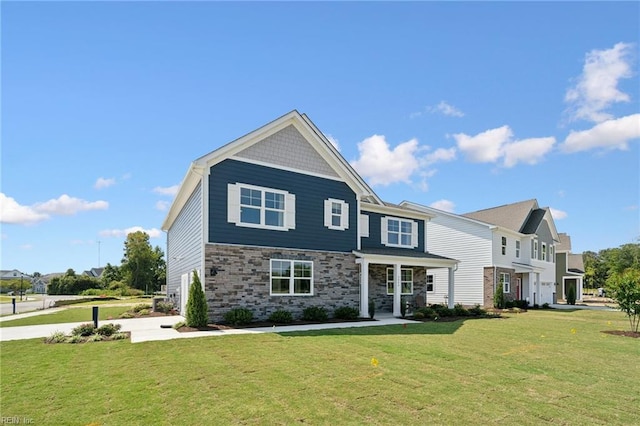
pixel 635 334
pixel 259 324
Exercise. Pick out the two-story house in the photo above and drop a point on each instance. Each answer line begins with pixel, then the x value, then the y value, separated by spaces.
pixel 278 219
pixel 512 244
pixel 569 269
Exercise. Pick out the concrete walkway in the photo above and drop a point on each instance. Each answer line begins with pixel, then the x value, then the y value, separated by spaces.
pixel 148 329
pixel 578 305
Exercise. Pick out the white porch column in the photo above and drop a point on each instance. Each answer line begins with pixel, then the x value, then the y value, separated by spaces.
pixel 450 300
pixel 536 295
pixel 579 288
pixel 364 288
pixel 397 290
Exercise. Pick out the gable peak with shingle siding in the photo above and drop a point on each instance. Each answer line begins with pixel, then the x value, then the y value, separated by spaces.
pixel 565 243
pixel 288 148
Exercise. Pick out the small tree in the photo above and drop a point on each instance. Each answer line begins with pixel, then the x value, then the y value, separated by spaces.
pixel 571 295
pixel 196 304
pixel 498 296
pixel 625 290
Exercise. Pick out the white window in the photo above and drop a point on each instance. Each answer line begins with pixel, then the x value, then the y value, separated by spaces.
pixel 429 282
pixel 504 245
pixel 336 214
pixel 364 225
pixel 291 277
pixel 517 248
pixel 505 279
pixel 544 251
pixel 535 249
pixel 258 207
pixel 406 281
pixel 398 232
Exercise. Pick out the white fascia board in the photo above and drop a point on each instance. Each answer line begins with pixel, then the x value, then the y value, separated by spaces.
pixel 396 211
pixel 189 183
pixel 405 260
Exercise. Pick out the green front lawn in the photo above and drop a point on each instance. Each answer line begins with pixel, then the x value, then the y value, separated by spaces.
pixel 552 367
pixel 68 315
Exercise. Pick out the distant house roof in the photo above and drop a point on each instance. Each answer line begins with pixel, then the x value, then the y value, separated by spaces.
pixel 511 216
pixel 575 263
pixel 9 274
pixel 94 272
pixel 564 244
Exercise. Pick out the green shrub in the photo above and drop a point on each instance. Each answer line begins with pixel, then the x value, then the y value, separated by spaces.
pixel 56 337
pixel 238 316
pixel 372 309
pixel 522 304
pixel 119 336
pixel 126 315
pixel 164 307
pixel 571 295
pixel 179 324
pixel 141 307
pixel 281 317
pixel 508 304
pixel 95 338
pixel 477 311
pixel 545 306
pixel 460 311
pixel 498 297
pixel 436 306
pixel 418 315
pixel 84 330
pixel 75 338
pixel 144 312
pixel 427 312
pixel 403 307
pixel 315 313
pixel 443 311
pixel 197 309
pixel 346 313
pixel 108 329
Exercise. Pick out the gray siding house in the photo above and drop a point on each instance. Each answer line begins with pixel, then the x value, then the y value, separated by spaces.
pixel 278 219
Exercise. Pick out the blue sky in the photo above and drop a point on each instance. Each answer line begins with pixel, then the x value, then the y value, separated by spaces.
pixel 462 106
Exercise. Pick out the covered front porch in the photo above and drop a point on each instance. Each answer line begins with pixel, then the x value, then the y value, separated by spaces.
pixel 399 273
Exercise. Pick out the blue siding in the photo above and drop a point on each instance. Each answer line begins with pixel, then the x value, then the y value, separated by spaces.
pixel 310 192
pixel 374 240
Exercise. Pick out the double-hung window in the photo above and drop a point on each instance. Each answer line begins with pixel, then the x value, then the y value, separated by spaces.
pixel 517 248
pixel 535 249
pixel 406 281
pixel 258 207
pixel 504 245
pixel 429 282
pixel 506 282
pixel 336 214
pixel 544 251
pixel 397 232
pixel 291 277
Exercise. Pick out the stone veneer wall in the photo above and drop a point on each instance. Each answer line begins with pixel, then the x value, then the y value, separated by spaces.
pixel 378 286
pixel 243 280
pixel 490 279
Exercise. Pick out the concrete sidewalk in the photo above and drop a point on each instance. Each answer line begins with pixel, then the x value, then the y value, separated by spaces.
pixel 149 329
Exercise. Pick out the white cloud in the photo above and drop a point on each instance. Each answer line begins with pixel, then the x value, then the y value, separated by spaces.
pixel 383 166
pixel 104 183
pixel 528 151
pixel 485 147
pixel 557 214
pixel 444 205
pixel 611 134
pixel 440 155
pixel 68 206
pixel 13 212
pixel 162 205
pixel 153 232
pixel 597 87
pixel 333 141
pixel 442 108
pixel 496 144
pixel 447 109
pixel 167 190
pixel 26 246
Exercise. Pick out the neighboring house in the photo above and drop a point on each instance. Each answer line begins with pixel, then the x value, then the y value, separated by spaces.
pixel 569 269
pixel 94 272
pixel 278 219
pixel 513 244
pixel 14 274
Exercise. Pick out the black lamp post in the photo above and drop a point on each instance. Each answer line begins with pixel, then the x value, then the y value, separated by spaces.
pixel 21 276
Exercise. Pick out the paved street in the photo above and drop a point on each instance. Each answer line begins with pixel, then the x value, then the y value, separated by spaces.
pixel 40 302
